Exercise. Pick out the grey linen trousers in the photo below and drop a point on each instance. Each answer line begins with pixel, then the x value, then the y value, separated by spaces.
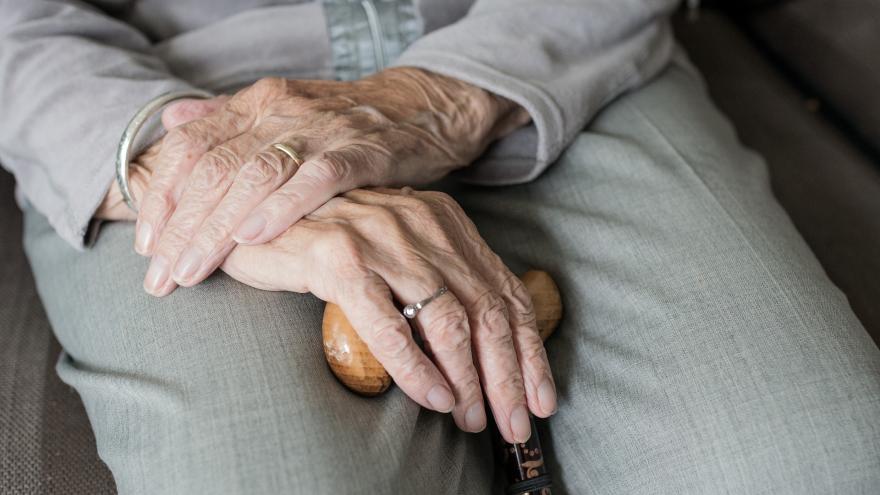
pixel 703 348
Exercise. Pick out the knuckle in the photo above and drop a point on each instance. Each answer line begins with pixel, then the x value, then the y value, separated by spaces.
pixel 269 87
pixel 371 116
pixel 265 168
pixel 379 218
pixel 414 371
pixel 422 209
pixel 344 121
pixel 215 168
pixel 391 338
pixel 523 310
pixel 451 332
pixel 157 203
pixel 343 248
pixel 287 197
pixel 173 240
pixel 213 233
pixel 508 386
pixel 535 355
pixel 330 167
pixel 492 313
pixel 418 207
pixel 470 384
pixel 442 199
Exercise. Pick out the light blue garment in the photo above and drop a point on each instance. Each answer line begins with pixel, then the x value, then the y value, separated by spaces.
pixel 703 349
pixel 366 36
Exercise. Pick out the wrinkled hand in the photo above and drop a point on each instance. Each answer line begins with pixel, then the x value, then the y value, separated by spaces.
pixel 218 181
pixel 367 248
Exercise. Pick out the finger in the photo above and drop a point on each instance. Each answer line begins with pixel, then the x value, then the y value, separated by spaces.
pixel 539 385
pixel 205 187
pixel 182 147
pixel 497 361
pixel 316 181
pixel 537 374
pixel 212 241
pixel 186 110
pixel 369 308
pixel 491 335
pixel 444 326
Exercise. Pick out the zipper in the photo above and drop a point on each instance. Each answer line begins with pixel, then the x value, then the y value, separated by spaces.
pixel 375 33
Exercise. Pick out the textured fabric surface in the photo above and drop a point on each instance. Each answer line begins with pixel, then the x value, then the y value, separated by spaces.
pixel 833 47
pixel 72 73
pixel 46 443
pixel 703 350
pixel 23 354
pixel 829 187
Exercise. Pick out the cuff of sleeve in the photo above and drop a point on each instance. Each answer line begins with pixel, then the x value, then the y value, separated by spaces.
pixel 521 156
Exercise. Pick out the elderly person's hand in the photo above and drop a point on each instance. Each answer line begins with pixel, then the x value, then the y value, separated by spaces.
pixel 367 248
pixel 219 181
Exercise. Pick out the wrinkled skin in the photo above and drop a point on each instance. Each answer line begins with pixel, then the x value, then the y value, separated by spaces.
pixel 366 248
pixel 219 182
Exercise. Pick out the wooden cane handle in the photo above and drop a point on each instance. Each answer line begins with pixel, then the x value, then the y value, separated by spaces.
pixel 354 365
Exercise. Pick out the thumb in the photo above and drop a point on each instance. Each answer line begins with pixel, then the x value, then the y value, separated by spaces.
pixel 188 109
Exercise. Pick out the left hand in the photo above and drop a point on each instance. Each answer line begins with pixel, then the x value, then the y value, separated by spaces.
pixel 219 182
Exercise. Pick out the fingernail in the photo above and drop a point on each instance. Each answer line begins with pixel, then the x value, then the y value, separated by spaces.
pixel 519 424
pixel 144 238
pixel 187 265
pixel 475 418
pixel 250 228
pixel 157 274
pixel 441 398
pixel 547 396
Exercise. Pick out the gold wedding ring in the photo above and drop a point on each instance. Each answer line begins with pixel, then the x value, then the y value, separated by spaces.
pixel 289 151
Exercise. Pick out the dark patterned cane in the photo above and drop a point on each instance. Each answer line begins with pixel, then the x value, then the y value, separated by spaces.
pixel 525 470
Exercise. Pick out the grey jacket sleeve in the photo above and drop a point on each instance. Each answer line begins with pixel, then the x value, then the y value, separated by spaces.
pixel 70 79
pixel 561 60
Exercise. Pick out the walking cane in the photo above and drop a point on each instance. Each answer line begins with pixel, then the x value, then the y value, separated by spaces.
pixel 354 366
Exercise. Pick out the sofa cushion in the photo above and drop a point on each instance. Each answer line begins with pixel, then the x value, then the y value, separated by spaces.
pixel 46 443
pixel 833 47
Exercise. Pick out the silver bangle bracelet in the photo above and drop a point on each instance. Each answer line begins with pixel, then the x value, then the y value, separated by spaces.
pixel 124 150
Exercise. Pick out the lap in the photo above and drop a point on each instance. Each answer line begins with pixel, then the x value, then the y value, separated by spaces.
pixel 703 349
pixel 222 388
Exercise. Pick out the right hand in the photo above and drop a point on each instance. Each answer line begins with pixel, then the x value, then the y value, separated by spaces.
pixel 368 248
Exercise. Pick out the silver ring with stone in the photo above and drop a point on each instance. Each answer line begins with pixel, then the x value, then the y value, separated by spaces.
pixel 411 310
pixel 124 150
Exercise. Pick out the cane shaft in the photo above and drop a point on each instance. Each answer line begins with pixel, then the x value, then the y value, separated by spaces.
pixel 526 471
